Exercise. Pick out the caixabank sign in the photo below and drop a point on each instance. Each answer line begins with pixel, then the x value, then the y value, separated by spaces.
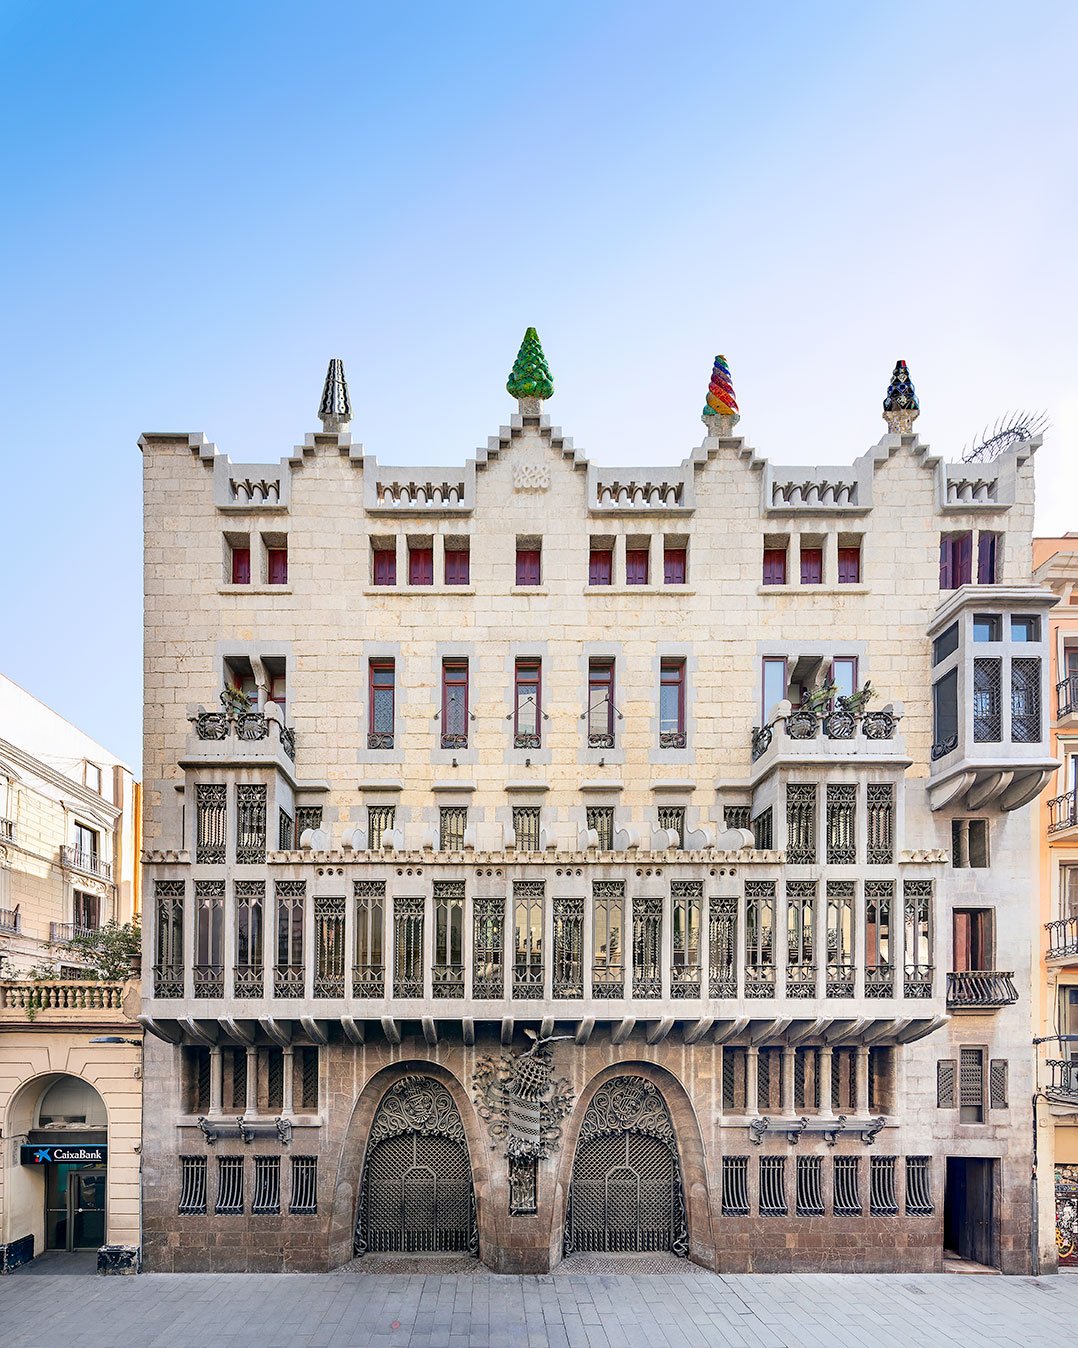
pixel 68 1154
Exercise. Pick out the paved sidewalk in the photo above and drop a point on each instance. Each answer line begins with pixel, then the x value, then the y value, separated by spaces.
pixel 563 1311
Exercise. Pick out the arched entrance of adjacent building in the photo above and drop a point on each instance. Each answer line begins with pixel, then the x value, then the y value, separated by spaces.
pixel 626 1192
pixel 417 1194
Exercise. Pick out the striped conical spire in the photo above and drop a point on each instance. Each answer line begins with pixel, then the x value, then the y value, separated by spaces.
pixel 335 409
pixel 720 413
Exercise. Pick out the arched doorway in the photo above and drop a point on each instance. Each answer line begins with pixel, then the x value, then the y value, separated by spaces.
pixel 417 1195
pixel 626 1192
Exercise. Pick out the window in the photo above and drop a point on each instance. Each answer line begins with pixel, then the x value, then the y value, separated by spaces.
pixel 276 690
pixel 675 568
pixel 969 843
pixel 1068 891
pixel 672 817
pixel 601 562
pixel 250 824
pixel 880 805
pixel 267 1195
pixel 241 564
pixel 285 831
pixel 209 938
pixel 239 677
pixel 229 1184
pixel 987 712
pixel 763 831
pixel 636 566
pixel 841 824
pixel 304 1185
pixel 801 824
pixel 168 942
pixel 250 898
pixel 526 827
pixel 85 846
pixel 974 939
pixel 307 816
pixel 844 675
pixel 528 938
pixel 86 910
pixel 454 704
pixel 672 704
pixel 210 822
pixel 420 564
pixel 601 704
pixel 382 698
pixel 527 706
pixel 1024 628
pixel 956 560
pixel 986 627
pixel 971 1085
pixel 601 819
pixel 192 1184
pixel 773 685
pixel 774 565
pixel 849 564
pixel 1025 700
pixel 917 901
pixel 529 559
pixel 945 644
pixel 379 822
pixel 385 564
pixel 608 907
pixel 811 565
pixel 91 776
pixel 448 969
pixel 945 714
pixel 987 558
pixel 368 975
pixel 453 821
pixel 277 566
pixel 457 565
pixel 289 971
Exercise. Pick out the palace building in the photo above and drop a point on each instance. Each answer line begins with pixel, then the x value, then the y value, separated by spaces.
pixel 546 859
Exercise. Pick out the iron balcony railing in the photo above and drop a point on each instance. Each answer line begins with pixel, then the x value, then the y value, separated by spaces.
pixel 836 725
pixel 983 989
pixel 1067 695
pixel 9 919
pixel 1062 1082
pixel 1062 937
pixel 1063 812
pixel 7 830
pixel 68 931
pixel 89 862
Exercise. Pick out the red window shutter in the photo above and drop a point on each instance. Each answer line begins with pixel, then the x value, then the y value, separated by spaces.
pixel 457 564
pixel 527 566
pixel 774 566
pixel 962 942
pixel 986 559
pixel 636 566
pixel 421 566
pixel 811 566
pixel 946 563
pixel 241 566
pixel 277 566
pixel 674 566
pixel 600 567
pixel 849 566
pixel 385 566
pixel 963 562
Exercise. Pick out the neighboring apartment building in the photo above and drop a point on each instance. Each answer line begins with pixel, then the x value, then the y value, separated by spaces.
pixel 1056 562
pixel 527 892
pixel 70 1108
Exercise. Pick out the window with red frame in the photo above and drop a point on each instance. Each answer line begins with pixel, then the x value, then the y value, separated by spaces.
pixel 987 558
pixel 849 566
pixel 528 705
pixel 420 566
pixel 812 566
pixel 457 566
pixel 601 567
pixel 529 565
pixel 956 560
pixel 636 566
pixel 454 704
pixel 381 704
pixel 774 566
pixel 674 569
pixel 277 692
pixel 672 704
pixel 385 566
pixel 241 566
pixel 601 704
pixel 277 566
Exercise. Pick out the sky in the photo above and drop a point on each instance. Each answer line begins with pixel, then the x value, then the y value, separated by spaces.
pixel 203 203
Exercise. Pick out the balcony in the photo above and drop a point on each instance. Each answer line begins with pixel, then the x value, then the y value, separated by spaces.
pixel 246 727
pixel 800 736
pixel 9 919
pixel 241 739
pixel 59 932
pixel 1062 1086
pixel 7 830
pixel 89 862
pixel 82 1005
pixel 1067 697
pixel 1062 938
pixel 980 990
pixel 1063 812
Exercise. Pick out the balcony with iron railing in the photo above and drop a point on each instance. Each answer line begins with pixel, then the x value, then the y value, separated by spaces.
pixel 243 734
pixel 980 990
pixel 9 919
pixel 75 858
pixel 1062 939
pixel 1062 1085
pixel 59 932
pixel 1063 812
pixel 801 735
pixel 1067 697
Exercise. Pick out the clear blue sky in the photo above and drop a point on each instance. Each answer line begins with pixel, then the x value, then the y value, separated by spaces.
pixel 204 202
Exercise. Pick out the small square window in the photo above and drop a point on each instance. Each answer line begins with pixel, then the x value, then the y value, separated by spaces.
pixel 1025 628
pixel 636 566
pixel 529 563
pixel 674 565
pixel 986 627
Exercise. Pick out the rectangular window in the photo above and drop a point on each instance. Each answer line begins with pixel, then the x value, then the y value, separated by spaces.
pixel 849 565
pixel 686 901
pixel 277 691
pixel 85 847
pixel 209 938
pixel 488 946
pixel 773 1186
pixel 917 896
pixel 528 939
pixel 841 824
pixel 722 947
pixel 568 948
pixel 86 910
pixel 636 566
pixel 601 704
pixel 453 822
pixel 529 563
pixel 289 972
pixel 672 704
pixel 380 821
pixel 969 843
pixel 385 565
pixel 735 1183
pixel 277 566
pixel 1025 700
pixel 454 704
pixel 457 566
pixel 883 1197
pixel 987 558
pixel 229 1184
pixel 986 627
pixel 956 560
pixel 381 704
pixel 608 968
pixel 647 946
pixel 285 831
pixel 763 830
pixel 527 705
pixel 250 825
pixel 168 934
pixel 759 938
pixel 844 675
pixel 773 685
pixel 846 1171
pixel 267 1195
pixel 801 824
pixel 880 801
pixel 879 971
pixel 420 564
pixel 971 1085
pixel 774 566
pixel 601 564
pixel 675 568
pixel 839 953
pixel 368 973
pixel 672 818
pixel 241 566
pixel 448 972
pixel 945 714
pixel 526 827
pixel 1025 628
pixel 304 1185
pixel 987 711
pixel 801 938
pixel 811 566
pixel 192 1184
pixel 945 644
pixel 329 947
pixel 210 822
pixel 250 901
pixel 408 916
pixel 809 1186
pixel 601 819
pixel 919 1186
pixel 973 931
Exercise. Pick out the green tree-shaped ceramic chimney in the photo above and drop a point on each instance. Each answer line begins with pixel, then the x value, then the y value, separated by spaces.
pixel 529 380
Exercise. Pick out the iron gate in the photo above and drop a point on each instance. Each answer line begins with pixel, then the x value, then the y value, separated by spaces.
pixel 417 1194
pixel 626 1192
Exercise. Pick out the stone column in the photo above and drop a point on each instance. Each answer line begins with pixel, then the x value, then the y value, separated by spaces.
pixel 861 1092
pixel 288 1056
pixel 752 1079
pixel 824 1067
pixel 788 1105
pixel 251 1103
pixel 216 1082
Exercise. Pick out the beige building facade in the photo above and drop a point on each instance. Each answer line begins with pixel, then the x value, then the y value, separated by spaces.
pixel 547 859
pixel 70 1107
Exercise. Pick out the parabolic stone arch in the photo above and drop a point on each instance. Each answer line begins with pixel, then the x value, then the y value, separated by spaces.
pixel 417 1194
pixel 626 1192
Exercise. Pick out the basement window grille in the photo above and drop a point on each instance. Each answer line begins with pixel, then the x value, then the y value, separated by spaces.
pixel 809 1187
pixel 304 1185
pixel 883 1200
pixel 267 1195
pixel 735 1186
pixel 773 1186
pixel 229 1184
pixel 847 1174
pixel 192 1184
pixel 919 1186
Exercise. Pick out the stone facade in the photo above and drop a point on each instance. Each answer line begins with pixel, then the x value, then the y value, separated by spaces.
pixel 376 867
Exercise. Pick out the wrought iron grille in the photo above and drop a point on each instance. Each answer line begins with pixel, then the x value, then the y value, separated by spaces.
pixel 801 938
pixel 250 897
pixel 453 821
pixel 801 824
pixel 841 824
pixel 773 1186
pixel 368 970
pixel 528 939
pixel 626 1192
pixel 408 947
pixel 168 966
pixel 997 1083
pixel 304 1185
pixel 918 910
pixel 1025 700
pixel 307 816
pixel 987 722
pixel 209 967
pixel 285 831
pixel 839 937
pixel 289 971
pixel 879 970
pixel 488 948
pixel 210 823
pixel 192 1184
pixel 380 821
pixel 526 821
pixel 762 736
pixel 985 988
pixel 971 1084
pixel 229 1184
pixel 647 947
pixel 250 824
pixel 881 823
pixel 523 1184
pixel 735 1186
pixel 809 1186
pixel 267 1194
pixel 673 817
pixel 329 936
pixel 844 1080
pixel 919 1186
pixel 722 947
pixel 763 830
pixel 601 819
pixel 608 910
pixel 759 938
pixel 568 948
pixel 847 1177
pixel 733 1079
pixel 448 968
pixel 686 901
pixel 946 1083
pixel 883 1200
pixel 737 816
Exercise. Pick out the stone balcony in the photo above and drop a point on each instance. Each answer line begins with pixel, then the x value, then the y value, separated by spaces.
pixel 254 739
pixel 980 990
pixel 797 737
pixel 73 1004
